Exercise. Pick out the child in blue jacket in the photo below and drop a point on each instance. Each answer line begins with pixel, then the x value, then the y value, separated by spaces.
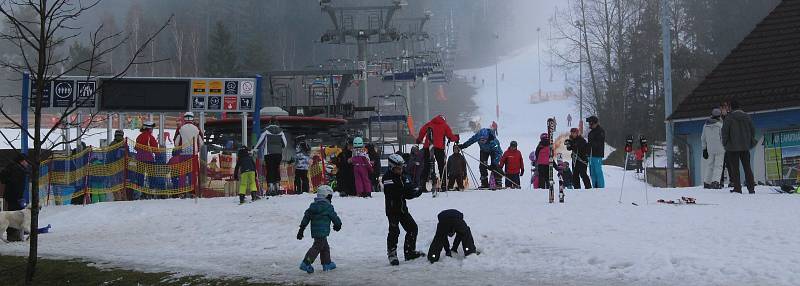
pixel 320 214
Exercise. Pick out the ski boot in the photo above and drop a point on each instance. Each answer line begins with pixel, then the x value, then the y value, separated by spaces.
pixel 329 266
pixel 306 267
pixel 241 199
pixel 393 257
pixel 254 196
pixel 411 255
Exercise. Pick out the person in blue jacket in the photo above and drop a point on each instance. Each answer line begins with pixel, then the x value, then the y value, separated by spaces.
pixel 320 214
pixel 490 147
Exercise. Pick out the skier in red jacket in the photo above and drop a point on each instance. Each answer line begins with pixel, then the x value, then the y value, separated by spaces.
pixel 439 130
pixel 514 166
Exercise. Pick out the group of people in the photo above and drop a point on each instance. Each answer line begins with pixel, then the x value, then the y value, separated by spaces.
pixel 727 137
pixel 398 188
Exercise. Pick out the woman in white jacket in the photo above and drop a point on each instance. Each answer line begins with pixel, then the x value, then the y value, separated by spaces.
pixel 713 151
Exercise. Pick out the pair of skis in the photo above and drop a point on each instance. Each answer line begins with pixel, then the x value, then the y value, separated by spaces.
pixel 551 129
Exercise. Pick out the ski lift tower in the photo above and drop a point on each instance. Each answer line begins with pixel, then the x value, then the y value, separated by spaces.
pixel 365 25
pixel 415 33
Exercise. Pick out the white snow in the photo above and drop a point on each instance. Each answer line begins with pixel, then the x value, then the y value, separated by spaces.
pixel 592 239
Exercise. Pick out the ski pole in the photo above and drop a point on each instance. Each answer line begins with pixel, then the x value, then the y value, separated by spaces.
pixel 492 169
pixel 624 169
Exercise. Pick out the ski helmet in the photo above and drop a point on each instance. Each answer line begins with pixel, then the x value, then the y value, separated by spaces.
pixel 513 143
pixel 395 160
pixel 358 142
pixel 324 191
pixel 188 115
pixel 544 136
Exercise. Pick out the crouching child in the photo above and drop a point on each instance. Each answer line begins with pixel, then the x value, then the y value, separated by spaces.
pixel 320 214
pixel 451 222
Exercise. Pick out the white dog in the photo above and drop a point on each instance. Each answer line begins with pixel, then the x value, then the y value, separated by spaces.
pixel 20 220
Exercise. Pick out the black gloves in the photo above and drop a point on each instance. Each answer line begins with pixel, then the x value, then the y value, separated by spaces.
pixel 705 154
pixel 300 234
pixel 337 227
pixel 461 146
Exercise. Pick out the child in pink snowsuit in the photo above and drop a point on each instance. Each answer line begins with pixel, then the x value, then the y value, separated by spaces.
pixel 362 167
pixel 541 157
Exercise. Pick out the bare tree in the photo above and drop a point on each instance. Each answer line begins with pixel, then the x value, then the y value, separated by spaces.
pixel 38 29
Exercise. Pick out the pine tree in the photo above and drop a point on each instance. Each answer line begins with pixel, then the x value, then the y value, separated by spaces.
pixel 221 58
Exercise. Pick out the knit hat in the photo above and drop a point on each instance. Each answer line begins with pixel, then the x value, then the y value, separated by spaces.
pixel 324 191
pixel 513 143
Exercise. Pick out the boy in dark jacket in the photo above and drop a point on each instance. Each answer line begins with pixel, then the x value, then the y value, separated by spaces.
pixel 245 172
pixel 397 188
pixel 456 169
pixel 451 222
pixel 320 214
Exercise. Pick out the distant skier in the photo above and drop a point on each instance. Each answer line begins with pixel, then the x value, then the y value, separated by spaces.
pixel 362 167
pixel 713 151
pixel 490 147
pixel 414 166
pixel 440 130
pixel 301 164
pixel 541 157
pixel 456 169
pixel 451 222
pixel 271 144
pixel 189 136
pixel 345 179
pixel 514 166
pixel 245 173
pixel 320 214
pixel 597 143
pixel 580 156
pixel 397 188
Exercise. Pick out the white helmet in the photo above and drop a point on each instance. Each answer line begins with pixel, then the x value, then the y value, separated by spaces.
pixel 188 115
pixel 395 160
pixel 324 191
pixel 149 124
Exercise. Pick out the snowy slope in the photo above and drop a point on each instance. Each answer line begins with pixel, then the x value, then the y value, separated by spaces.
pixel 590 240
pixel 519 120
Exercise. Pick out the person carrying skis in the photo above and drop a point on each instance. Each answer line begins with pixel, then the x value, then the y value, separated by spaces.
pixel 580 156
pixel 271 144
pixel 713 151
pixel 456 169
pixel 541 158
pixel 397 188
pixel 514 166
pixel 301 163
pixel 439 131
pixel 245 173
pixel 320 214
pixel 362 167
pixel 451 222
pixel 490 147
pixel 597 145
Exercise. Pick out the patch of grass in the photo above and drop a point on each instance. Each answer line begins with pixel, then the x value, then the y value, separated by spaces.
pixel 75 272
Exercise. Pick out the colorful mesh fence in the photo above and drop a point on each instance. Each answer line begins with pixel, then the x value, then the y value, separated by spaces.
pixel 118 172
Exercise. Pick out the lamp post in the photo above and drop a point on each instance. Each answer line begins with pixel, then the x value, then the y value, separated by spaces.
pixel 539 58
pixel 496 79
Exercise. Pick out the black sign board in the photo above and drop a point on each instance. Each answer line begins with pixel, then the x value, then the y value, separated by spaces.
pixel 63 93
pixel 46 95
pixel 145 94
pixel 215 103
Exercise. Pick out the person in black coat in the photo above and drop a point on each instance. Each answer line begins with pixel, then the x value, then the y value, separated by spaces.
pixel 451 222
pixel 580 156
pixel 597 145
pixel 345 178
pixel 14 178
pixel 397 188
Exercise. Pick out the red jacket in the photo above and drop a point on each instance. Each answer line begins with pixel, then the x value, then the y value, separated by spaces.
pixel 440 130
pixel 512 160
pixel 639 153
pixel 146 139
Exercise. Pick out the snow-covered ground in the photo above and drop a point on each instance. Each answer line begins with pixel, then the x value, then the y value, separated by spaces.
pixel 590 240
